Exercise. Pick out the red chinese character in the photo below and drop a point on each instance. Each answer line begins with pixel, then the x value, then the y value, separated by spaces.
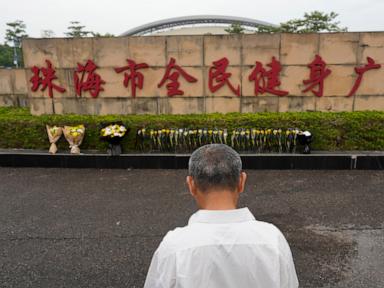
pixel 267 80
pixel 136 78
pixel 173 86
pixel 91 83
pixel 360 71
pixel 46 80
pixel 218 76
pixel 316 78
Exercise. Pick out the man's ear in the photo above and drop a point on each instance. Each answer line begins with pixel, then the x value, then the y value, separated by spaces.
pixel 242 180
pixel 191 186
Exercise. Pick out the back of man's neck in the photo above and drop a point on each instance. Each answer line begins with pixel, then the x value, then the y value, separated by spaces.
pixel 220 200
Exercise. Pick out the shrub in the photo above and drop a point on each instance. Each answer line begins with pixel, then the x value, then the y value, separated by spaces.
pixel 332 131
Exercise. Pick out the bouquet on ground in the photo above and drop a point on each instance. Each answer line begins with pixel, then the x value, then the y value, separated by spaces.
pixel 54 134
pixel 74 136
pixel 113 133
pixel 305 138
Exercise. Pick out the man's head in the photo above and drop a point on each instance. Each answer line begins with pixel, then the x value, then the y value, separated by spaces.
pixel 215 174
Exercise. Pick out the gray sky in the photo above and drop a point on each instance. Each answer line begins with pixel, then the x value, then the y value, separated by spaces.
pixel 117 16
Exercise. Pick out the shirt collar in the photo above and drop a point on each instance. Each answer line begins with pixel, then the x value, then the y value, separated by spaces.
pixel 222 216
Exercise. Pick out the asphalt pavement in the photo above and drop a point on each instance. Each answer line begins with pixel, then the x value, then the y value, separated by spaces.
pixel 99 228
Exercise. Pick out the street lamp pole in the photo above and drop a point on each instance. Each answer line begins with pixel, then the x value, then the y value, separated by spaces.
pixel 15 56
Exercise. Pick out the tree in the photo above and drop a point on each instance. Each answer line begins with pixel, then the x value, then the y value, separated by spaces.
pixel 47 33
pixel 312 22
pixel 75 30
pixel 235 28
pixel 6 56
pixel 99 35
pixel 14 34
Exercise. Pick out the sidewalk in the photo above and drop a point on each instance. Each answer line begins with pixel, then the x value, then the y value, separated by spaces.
pixel 99 228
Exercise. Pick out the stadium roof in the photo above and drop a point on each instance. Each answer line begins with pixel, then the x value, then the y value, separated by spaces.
pixel 189 20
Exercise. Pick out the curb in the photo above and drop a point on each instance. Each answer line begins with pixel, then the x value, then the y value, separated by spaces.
pixel 319 161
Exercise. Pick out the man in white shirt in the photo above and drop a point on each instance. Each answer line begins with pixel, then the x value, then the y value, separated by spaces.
pixel 221 247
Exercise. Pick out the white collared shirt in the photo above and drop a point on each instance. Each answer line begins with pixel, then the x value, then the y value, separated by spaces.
pixel 223 249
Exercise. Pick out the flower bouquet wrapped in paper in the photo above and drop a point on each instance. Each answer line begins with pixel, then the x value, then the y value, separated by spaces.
pixel 114 133
pixel 54 134
pixel 305 138
pixel 74 136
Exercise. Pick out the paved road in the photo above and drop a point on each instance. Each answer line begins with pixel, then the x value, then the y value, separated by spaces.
pixel 99 228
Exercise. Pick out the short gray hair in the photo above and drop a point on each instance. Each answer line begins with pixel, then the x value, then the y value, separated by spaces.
pixel 215 166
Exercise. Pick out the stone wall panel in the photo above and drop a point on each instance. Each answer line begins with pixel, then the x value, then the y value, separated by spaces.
pixel 342 52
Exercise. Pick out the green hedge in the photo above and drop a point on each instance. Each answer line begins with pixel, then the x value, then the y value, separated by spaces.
pixel 332 131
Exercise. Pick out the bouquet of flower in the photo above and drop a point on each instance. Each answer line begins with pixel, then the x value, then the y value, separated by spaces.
pixel 54 134
pixel 114 133
pixel 305 138
pixel 113 130
pixel 74 136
